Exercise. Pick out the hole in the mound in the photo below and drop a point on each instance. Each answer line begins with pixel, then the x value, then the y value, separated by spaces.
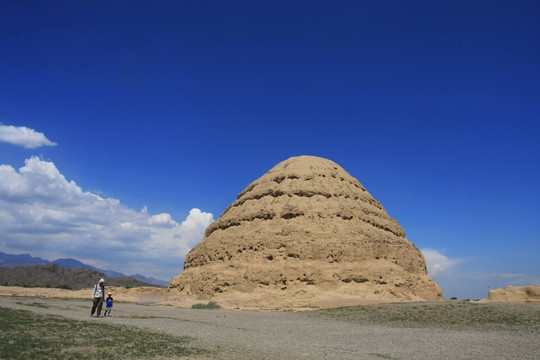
pixel 288 216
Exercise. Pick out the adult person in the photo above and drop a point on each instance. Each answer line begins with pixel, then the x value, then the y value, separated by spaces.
pixel 98 295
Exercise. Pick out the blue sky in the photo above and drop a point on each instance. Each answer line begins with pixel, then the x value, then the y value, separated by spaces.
pixel 127 127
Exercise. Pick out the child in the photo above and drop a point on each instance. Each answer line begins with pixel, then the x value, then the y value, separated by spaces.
pixel 109 305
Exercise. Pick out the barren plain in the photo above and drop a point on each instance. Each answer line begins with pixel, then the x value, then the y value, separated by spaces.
pixel 414 330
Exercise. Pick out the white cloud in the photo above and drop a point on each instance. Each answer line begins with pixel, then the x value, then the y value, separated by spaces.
pixel 195 224
pixel 23 136
pixel 495 280
pixel 162 220
pixel 46 215
pixel 437 262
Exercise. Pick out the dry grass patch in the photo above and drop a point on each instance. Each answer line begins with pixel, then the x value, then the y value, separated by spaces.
pixel 445 314
pixel 27 335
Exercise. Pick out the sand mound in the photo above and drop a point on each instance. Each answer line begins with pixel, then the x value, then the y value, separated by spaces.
pixel 306 232
pixel 516 294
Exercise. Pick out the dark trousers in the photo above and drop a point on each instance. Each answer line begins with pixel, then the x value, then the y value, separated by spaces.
pixel 98 302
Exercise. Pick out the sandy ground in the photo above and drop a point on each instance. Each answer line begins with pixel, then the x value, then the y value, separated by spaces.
pixel 164 296
pixel 295 335
pixel 120 293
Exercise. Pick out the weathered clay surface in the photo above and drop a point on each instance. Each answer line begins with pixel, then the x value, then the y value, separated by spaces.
pixel 520 294
pixel 306 230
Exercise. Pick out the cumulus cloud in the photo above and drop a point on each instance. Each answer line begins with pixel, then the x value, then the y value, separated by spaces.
pixel 163 219
pixel 23 136
pixel 44 214
pixel 437 262
pixel 196 223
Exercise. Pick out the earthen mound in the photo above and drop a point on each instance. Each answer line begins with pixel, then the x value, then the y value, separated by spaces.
pixel 306 230
pixel 515 294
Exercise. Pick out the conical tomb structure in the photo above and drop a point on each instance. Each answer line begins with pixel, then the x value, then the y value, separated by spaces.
pixel 306 229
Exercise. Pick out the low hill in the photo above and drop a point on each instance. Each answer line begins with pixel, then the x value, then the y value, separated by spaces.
pixel 9 260
pixel 54 276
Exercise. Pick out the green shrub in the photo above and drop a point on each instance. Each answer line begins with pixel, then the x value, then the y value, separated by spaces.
pixel 210 305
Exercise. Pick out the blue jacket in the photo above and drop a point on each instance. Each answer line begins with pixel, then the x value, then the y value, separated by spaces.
pixel 109 301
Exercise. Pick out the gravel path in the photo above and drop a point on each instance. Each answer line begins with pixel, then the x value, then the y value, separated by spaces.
pixel 288 335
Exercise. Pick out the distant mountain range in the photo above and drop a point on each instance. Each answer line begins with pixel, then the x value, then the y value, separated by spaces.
pixel 13 261
pixel 54 276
